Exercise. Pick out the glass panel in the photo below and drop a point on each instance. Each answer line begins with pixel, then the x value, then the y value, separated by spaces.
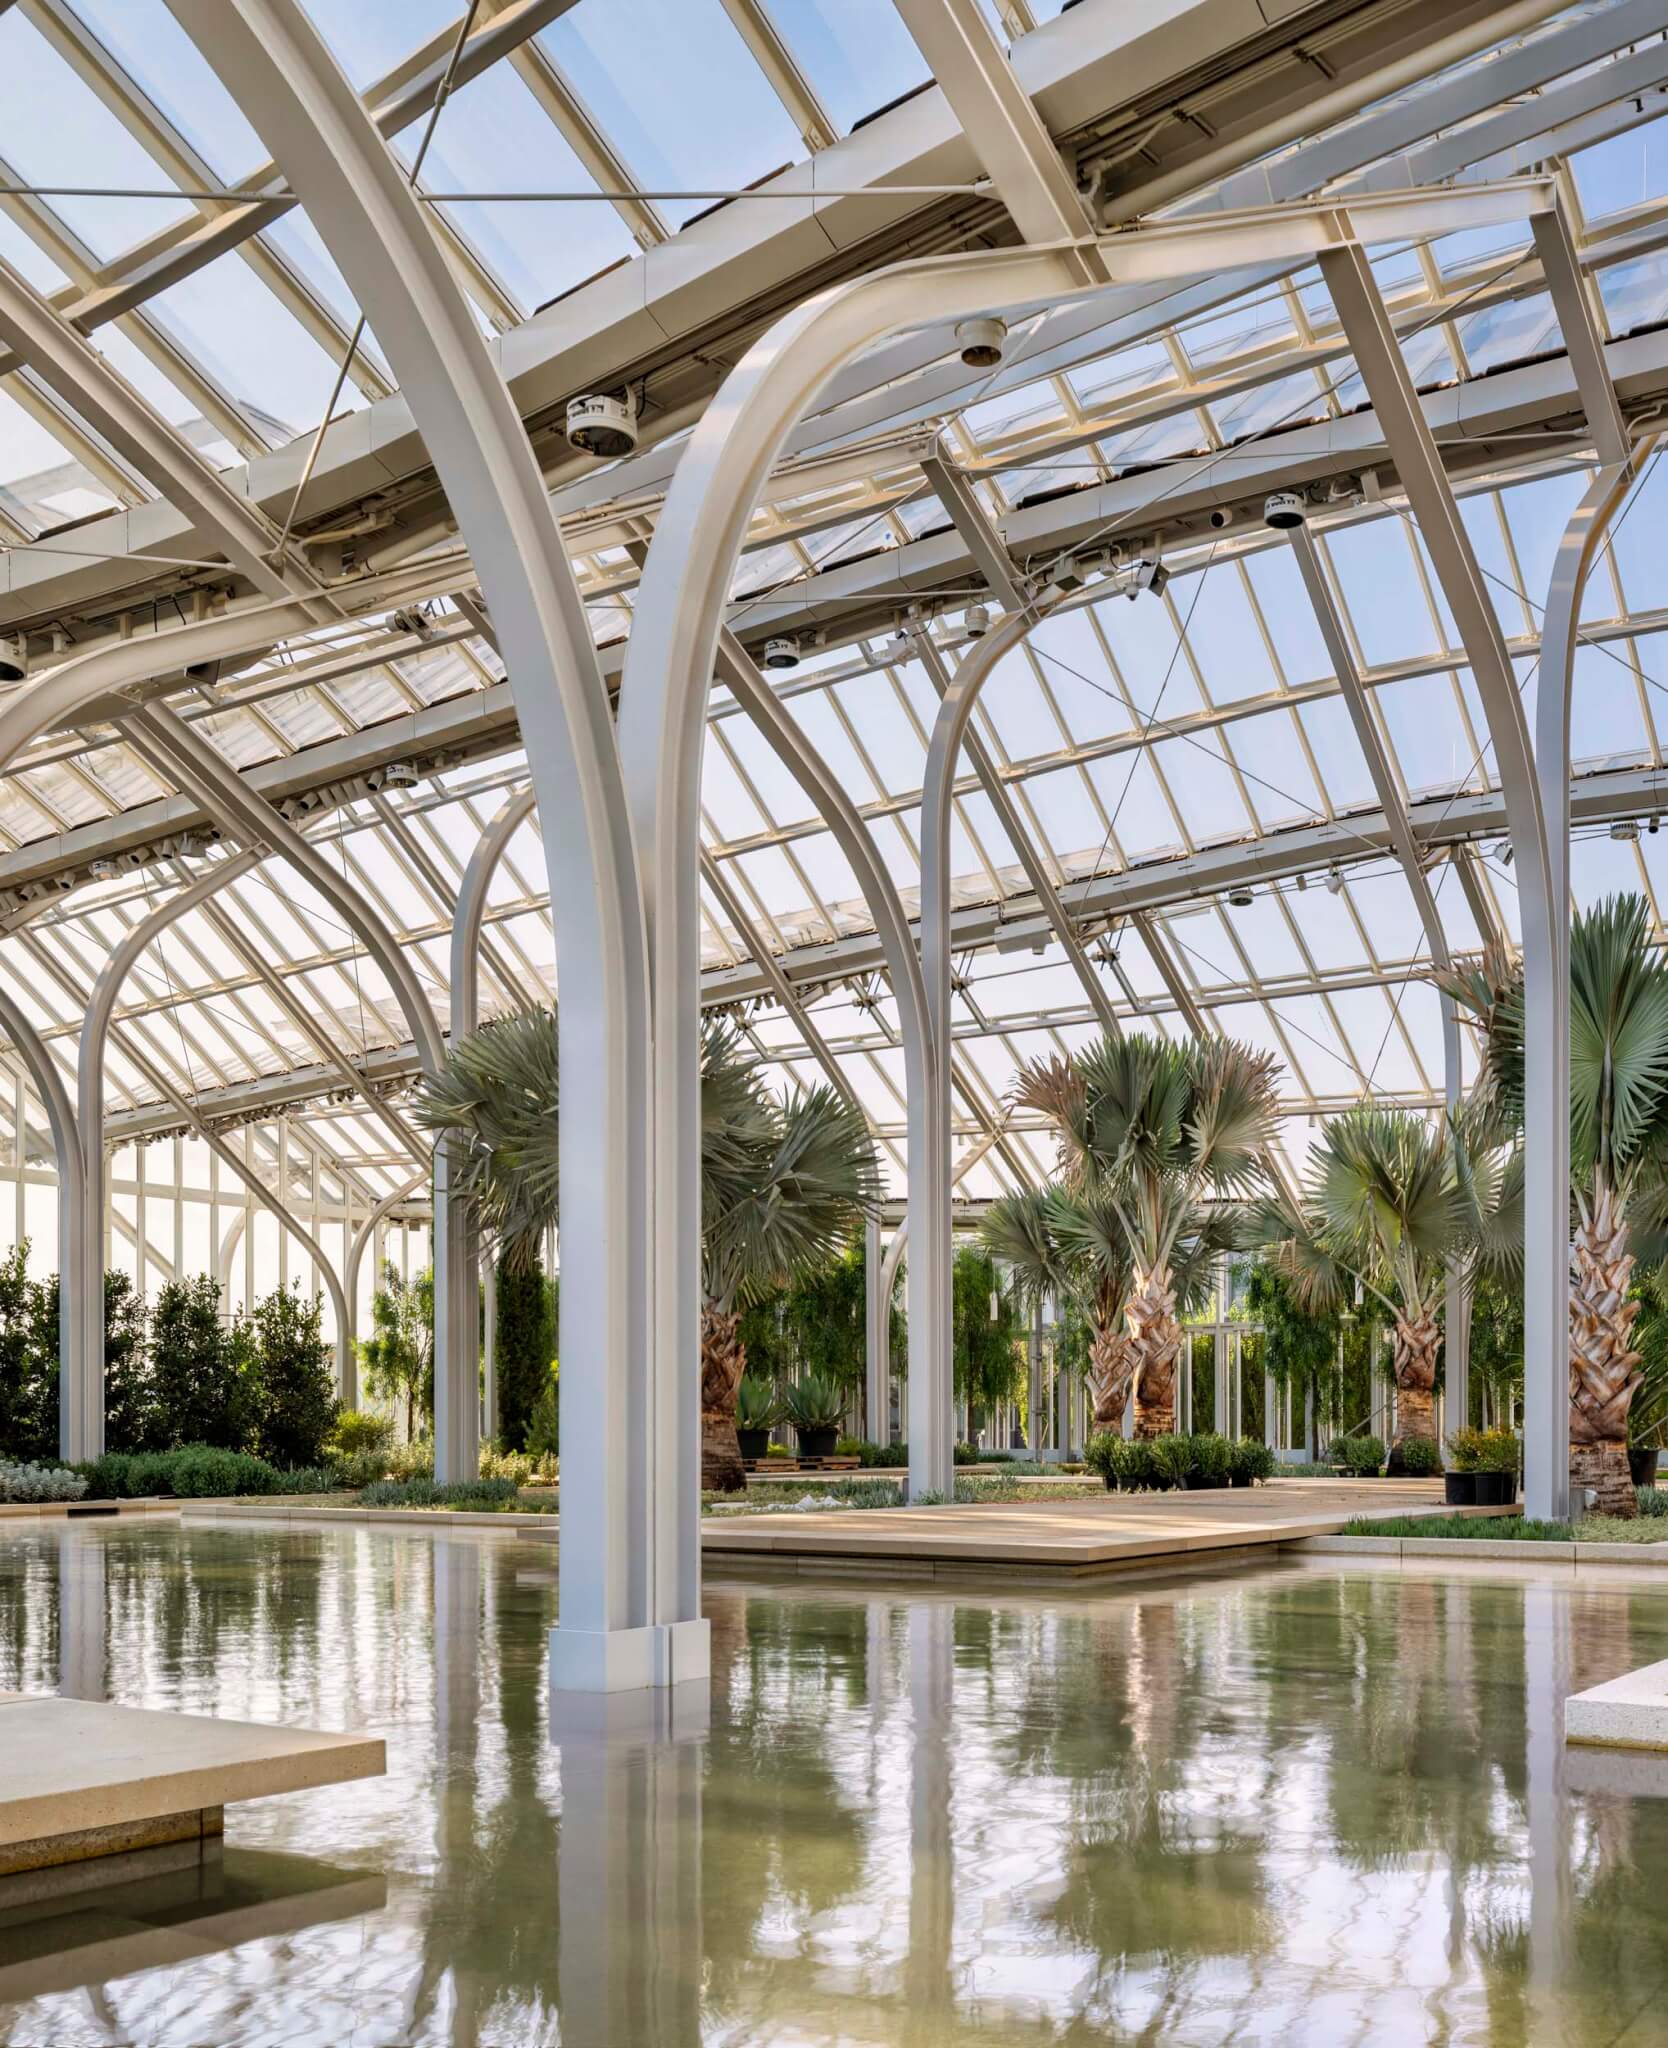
pixel 857 54
pixel 145 39
pixel 674 87
pixel 58 132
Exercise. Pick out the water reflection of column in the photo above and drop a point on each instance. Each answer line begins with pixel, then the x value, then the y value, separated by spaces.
pixel 1547 1683
pixel 82 1669
pixel 629 1883
pixel 929 1996
pixel 456 1565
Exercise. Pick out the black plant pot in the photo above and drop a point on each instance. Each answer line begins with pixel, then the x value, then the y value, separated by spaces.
pixel 1496 1489
pixel 754 1442
pixel 1204 1482
pixel 817 1443
pixel 1110 1481
pixel 1641 1463
pixel 1459 1489
pixel 1240 1479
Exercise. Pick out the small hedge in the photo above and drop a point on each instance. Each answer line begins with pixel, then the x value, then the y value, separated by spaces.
pixel 197 1472
pixel 1164 1462
pixel 423 1493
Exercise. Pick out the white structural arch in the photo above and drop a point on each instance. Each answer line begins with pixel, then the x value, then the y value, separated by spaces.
pixel 679 614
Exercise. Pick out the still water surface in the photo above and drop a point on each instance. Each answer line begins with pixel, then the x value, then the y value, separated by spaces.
pixel 1289 1805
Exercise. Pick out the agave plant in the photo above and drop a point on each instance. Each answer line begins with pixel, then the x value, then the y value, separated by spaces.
pixel 1171 1139
pixel 785 1181
pixel 1390 1199
pixel 758 1403
pixel 1618 1148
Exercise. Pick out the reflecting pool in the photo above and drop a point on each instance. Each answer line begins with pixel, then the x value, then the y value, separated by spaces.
pixel 1285 1805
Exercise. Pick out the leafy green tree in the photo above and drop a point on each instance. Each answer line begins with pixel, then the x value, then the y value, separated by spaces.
pixel 21 1418
pixel 1068 1243
pixel 988 1329
pixel 525 1344
pixel 295 1386
pixel 398 1356
pixel 132 1418
pixel 202 1368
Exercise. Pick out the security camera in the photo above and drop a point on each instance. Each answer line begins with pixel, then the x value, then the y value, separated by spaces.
pixel 983 343
pixel 14 660
pixel 400 775
pixel 977 622
pixel 1221 516
pixel 602 426
pixel 1283 510
pixel 782 653
pixel 1135 577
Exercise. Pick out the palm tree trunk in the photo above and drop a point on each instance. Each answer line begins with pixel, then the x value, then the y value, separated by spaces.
pixel 1417 1342
pixel 1155 1342
pixel 1110 1367
pixel 723 1361
pixel 1604 1368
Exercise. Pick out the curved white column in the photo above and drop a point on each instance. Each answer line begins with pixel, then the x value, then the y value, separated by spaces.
pixel 629 1603
pixel 80 1420
pixel 84 1278
pixel 669 666
pixel 463 1249
pixel 362 1237
pixel 1544 913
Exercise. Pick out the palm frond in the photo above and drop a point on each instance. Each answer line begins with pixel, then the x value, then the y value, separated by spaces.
pixel 494 1106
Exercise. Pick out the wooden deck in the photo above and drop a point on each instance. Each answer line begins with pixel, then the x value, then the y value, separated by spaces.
pixel 1071 1538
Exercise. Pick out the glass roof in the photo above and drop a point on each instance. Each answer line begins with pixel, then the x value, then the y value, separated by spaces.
pixel 1126 735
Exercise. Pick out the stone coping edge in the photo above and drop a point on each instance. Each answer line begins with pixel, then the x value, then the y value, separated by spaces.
pixel 36 1510
pixel 1529 1549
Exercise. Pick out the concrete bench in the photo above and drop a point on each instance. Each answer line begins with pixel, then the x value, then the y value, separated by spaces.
pixel 82 1778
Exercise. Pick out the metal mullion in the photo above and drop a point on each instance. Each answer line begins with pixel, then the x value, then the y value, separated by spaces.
pixel 579 129
pixel 173 1006
pixel 812 896
pixel 1324 995
pixel 26 392
pixel 1377 965
pixel 407 829
pixel 329 961
pixel 1255 989
pixel 782 71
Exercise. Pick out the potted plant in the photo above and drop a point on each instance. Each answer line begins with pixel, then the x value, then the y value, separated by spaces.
pixel 1459 1482
pixel 1171 1458
pixel 1249 1460
pixel 1210 1460
pixel 1641 1463
pixel 814 1406
pixel 1109 1454
pixel 758 1410
pixel 1420 1458
pixel 1362 1457
pixel 1497 1456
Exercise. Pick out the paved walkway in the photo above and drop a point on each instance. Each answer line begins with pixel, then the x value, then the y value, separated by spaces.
pixel 1077 1538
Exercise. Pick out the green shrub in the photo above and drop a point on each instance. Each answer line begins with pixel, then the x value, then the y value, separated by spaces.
pixel 1361 1455
pixel 996 1458
pixel 1653 1500
pixel 1210 1458
pixel 202 1368
pixel 1418 1458
pixel 1465 1450
pixel 359 1432
pixel 544 1425
pixel 1171 1458
pixel 1109 1454
pixel 815 1402
pixel 199 1472
pixel 1140 1470
pixel 423 1493
pixel 129 1475
pixel 1249 1459
pixel 1497 1450
pixel 205 1472
pixel 965 1454
pixel 759 1406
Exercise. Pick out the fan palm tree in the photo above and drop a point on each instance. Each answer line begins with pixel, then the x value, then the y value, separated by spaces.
pixel 1618 1151
pixel 1069 1244
pixel 1389 1201
pixel 1171 1138
pixel 785 1181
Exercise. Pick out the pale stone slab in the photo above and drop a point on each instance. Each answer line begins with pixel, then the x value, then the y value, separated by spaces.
pixel 1630 1712
pixel 67 1766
